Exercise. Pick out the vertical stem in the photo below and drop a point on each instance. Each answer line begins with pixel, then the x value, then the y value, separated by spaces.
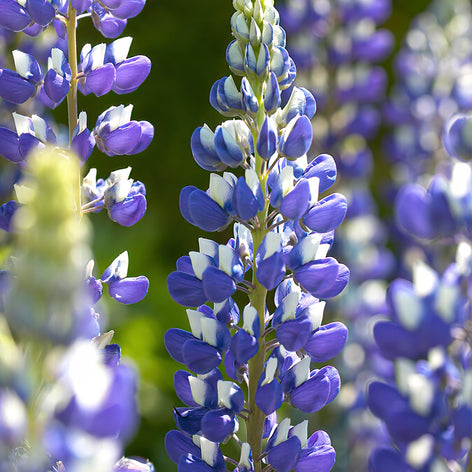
pixel 255 423
pixel 72 113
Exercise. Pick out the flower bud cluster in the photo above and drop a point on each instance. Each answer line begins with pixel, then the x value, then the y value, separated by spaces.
pixel 282 233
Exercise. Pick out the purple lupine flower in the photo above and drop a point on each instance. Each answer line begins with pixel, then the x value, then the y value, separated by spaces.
pixel 116 134
pixel 123 198
pixel 268 139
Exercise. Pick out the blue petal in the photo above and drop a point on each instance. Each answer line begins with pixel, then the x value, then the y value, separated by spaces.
pixel 311 395
pixel 9 145
pixel 129 290
pixel 323 167
pixel 244 201
pixel 284 456
pixel 129 211
pixel 83 144
pixel 131 73
pixel 326 342
pixel 174 339
pixel 189 419
pixel 217 425
pixel 269 397
pixel 296 138
pixel 123 139
pixel 327 214
pixel 244 346
pixel 294 334
pixel 296 203
pixel 320 458
pixel 128 9
pixel 320 277
pixel 190 463
pixel 383 398
pixel 387 460
pixel 200 357
pixel 81 5
pixel 41 11
pixel 109 25
pixel 147 134
pixel 14 17
pixel 101 80
pixel 217 285
pixel 267 139
pixel 203 149
pixel 7 210
pixel 186 289
pixel 271 271
pixel 14 88
pixel 205 212
pixel 56 86
pixel 413 211
pixel 178 444
pixel 227 148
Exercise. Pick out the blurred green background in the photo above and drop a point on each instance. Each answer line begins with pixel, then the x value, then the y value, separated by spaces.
pixel 186 41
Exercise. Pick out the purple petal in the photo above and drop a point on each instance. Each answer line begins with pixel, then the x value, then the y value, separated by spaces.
pixel 123 139
pixel 147 134
pixel 129 290
pixel 14 17
pixel 323 167
pixel 327 214
pixel 186 289
pixel 178 444
pixel 128 9
pixel 129 211
pixel 217 425
pixel 205 212
pixel 269 397
pixel 9 145
pixel 56 86
pixel 294 334
pixel 320 458
pixel 41 11
pixel 7 210
pixel 217 285
pixel 295 204
pixel 200 357
pixel 296 139
pixel 284 456
pixel 14 88
pixel 101 80
pixel 326 342
pixel 174 339
pixel 131 73
pixel 311 395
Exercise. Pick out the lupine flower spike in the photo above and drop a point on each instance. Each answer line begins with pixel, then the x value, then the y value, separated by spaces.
pixel 282 232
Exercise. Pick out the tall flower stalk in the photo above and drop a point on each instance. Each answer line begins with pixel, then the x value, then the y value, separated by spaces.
pixel 282 233
pixel 75 408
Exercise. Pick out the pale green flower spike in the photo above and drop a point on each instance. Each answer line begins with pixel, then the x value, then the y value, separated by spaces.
pixel 47 296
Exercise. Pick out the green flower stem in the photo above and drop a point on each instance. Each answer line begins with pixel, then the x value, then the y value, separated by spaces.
pixel 257 298
pixel 255 423
pixel 72 113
